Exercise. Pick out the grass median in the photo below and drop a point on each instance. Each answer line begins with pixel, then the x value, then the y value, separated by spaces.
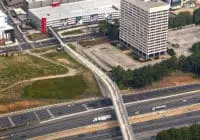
pixel 73 32
pixel 60 88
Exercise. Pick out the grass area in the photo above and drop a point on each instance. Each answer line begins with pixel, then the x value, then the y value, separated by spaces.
pixel 97 41
pixel 71 46
pixel 17 68
pixel 37 36
pixel 44 92
pixel 63 58
pixel 73 32
pixel 61 88
pixel 43 50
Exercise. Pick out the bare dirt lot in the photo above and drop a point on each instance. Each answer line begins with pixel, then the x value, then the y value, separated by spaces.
pixel 108 56
pixel 185 38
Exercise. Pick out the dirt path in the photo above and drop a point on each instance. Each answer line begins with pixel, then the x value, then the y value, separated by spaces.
pixel 71 72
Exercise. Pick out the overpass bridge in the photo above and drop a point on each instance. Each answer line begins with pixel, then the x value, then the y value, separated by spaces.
pixel 120 110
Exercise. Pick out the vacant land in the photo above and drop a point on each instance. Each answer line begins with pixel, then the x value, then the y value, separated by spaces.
pixel 19 89
pixel 185 38
pixel 59 88
pixel 37 36
pixel 73 32
pixel 17 68
pixel 96 41
pixel 63 58
pixel 44 50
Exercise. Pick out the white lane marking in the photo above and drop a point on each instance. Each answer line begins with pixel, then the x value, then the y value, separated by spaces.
pixel 11 121
pixel 163 97
pixel 85 106
pixel 50 113
pixel 36 115
pixel 75 114
pixel 127 104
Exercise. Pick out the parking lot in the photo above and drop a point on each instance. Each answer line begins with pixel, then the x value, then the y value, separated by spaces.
pixel 185 38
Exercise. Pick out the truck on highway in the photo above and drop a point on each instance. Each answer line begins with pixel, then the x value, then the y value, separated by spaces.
pixel 102 118
pixel 158 107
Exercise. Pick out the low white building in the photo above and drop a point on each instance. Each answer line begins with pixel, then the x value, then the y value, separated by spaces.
pixel 87 11
pixel 31 4
pixel 6 31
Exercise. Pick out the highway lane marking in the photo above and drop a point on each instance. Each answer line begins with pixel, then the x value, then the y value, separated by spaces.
pixel 85 106
pixel 50 113
pixel 127 105
pixel 75 114
pixel 163 97
pixel 110 124
pixel 11 121
pixel 36 115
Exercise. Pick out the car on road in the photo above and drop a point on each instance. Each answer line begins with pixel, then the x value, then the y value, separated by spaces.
pixel 158 107
pixel 102 118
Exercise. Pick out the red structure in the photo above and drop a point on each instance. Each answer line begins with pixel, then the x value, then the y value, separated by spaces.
pixel 55 4
pixel 44 25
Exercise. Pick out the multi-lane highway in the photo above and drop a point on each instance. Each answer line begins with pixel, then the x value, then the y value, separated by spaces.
pixel 87 117
pixel 145 130
pixel 54 111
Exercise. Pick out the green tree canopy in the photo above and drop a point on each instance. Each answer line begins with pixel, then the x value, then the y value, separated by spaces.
pixel 196 16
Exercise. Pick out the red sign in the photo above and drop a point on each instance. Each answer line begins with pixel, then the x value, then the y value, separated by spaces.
pixel 44 25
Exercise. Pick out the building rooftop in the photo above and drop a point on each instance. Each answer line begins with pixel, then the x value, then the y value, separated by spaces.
pixel 2 13
pixel 75 9
pixel 150 5
pixel 6 27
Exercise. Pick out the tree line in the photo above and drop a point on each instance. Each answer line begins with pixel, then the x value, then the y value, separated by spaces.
pixel 184 18
pixel 184 133
pixel 111 30
pixel 144 76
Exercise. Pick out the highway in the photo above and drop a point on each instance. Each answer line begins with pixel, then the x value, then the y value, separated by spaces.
pixel 86 118
pixel 145 130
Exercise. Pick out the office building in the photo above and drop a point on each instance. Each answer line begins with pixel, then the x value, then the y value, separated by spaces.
pixel 144 26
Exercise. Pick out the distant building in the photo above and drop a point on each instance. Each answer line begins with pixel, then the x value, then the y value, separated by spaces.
pixel 174 4
pixel 6 31
pixel 31 4
pixel 76 13
pixel 14 3
pixel 144 26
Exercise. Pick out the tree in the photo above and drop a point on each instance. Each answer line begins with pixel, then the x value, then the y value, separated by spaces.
pixel 184 133
pixel 171 52
pixel 111 30
pixel 182 19
pixel 196 16
pixel 196 48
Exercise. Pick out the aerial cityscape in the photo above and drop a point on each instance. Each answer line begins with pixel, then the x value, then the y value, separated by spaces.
pixel 100 69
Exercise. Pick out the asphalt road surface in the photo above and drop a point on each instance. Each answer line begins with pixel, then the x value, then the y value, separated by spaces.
pixel 145 130
pixel 60 110
pixel 86 118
